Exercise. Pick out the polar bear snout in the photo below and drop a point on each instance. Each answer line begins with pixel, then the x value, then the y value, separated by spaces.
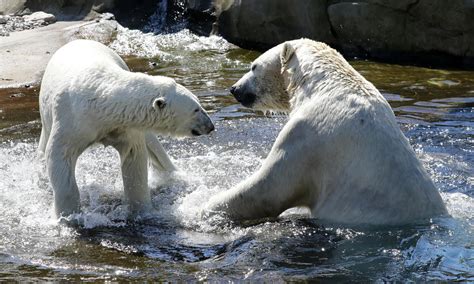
pixel 208 130
pixel 205 126
pixel 243 96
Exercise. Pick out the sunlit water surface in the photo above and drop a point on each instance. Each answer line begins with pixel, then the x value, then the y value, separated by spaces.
pixel 434 109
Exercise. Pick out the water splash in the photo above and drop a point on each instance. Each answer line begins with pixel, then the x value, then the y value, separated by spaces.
pixel 294 246
pixel 137 43
pixel 176 244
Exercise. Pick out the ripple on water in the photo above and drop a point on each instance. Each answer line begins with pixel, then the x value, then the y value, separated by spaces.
pixel 178 242
pixel 175 244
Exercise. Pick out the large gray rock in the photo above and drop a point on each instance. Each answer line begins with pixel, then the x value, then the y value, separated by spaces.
pixel 412 30
pixel 416 28
pixel 8 7
pixel 103 30
pixel 364 27
pixel 265 23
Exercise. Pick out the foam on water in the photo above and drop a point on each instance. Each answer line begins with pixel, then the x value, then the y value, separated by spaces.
pixel 28 229
pixel 137 43
pixel 175 243
pixel 209 165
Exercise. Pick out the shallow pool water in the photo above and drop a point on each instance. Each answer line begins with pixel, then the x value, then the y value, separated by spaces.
pixel 434 109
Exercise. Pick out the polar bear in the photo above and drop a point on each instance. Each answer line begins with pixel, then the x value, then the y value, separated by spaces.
pixel 341 154
pixel 88 95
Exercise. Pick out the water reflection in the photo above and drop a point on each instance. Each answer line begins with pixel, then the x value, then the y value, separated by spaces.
pixel 434 109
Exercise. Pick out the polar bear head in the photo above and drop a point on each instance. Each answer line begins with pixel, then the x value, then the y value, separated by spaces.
pixel 263 87
pixel 273 75
pixel 177 112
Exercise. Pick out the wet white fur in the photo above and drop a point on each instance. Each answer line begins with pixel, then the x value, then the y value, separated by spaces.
pixel 88 95
pixel 341 154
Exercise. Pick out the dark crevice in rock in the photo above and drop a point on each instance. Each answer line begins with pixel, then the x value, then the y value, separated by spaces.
pixel 134 14
pixel 411 6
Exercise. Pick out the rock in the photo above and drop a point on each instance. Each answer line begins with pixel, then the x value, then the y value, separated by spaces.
pixel 201 15
pixel 40 16
pixel 423 29
pixel 265 23
pixel 402 5
pixel 360 28
pixel 11 6
pixel 107 16
pixel 415 31
pixel 103 31
pixel 3 20
pixel 64 10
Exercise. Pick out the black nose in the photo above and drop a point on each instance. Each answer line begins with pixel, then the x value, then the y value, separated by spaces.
pixel 211 129
pixel 232 90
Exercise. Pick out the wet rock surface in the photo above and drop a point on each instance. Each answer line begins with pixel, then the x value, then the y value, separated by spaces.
pixel 435 33
pixel 103 29
pixel 269 22
pixel 439 31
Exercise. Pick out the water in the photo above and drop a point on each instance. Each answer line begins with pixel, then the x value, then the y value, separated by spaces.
pixel 434 109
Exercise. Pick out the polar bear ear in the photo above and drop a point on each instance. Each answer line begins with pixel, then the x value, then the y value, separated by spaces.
pixel 159 103
pixel 287 52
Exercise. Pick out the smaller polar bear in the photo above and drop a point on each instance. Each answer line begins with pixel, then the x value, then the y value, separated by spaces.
pixel 88 95
pixel 341 154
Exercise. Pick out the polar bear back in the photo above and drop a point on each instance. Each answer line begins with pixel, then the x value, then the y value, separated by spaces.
pixel 365 166
pixel 79 66
pixel 82 55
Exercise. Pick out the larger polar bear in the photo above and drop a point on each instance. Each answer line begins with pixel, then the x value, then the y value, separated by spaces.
pixel 341 154
pixel 88 95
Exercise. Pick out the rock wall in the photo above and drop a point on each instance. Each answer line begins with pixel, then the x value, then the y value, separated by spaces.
pixel 132 14
pixel 425 31
pixel 265 23
pixel 440 31
pixel 62 9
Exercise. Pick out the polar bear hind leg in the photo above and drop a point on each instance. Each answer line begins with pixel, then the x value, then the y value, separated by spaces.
pixel 61 163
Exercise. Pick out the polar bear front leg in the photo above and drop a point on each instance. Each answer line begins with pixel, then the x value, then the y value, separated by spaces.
pixel 133 156
pixel 159 159
pixel 281 183
pixel 267 193
pixel 61 164
pixel 43 141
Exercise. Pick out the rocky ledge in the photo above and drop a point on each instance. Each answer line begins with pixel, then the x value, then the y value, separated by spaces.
pixel 433 33
pixel 424 31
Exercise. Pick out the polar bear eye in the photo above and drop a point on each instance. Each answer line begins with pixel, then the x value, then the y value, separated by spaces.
pixel 159 103
pixel 196 110
pixel 254 67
